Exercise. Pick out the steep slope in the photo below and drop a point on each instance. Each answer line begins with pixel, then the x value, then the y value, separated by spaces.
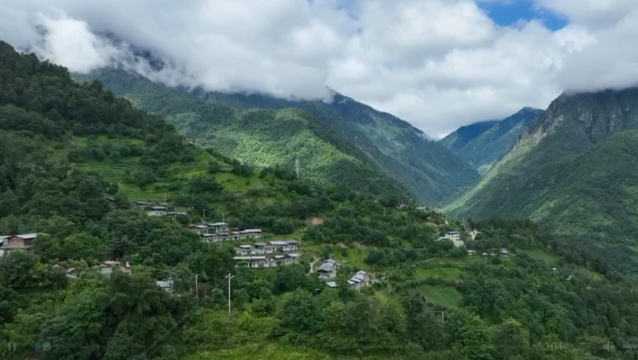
pixel 258 137
pixel 456 140
pixel 483 150
pixel 573 169
pixel 427 169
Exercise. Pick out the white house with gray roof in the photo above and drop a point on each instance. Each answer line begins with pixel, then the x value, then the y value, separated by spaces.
pixel 360 279
pixel 328 269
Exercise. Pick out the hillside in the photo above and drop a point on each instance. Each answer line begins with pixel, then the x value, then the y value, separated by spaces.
pixel 425 168
pixel 260 137
pixel 489 145
pixel 71 155
pixel 574 171
pixel 457 139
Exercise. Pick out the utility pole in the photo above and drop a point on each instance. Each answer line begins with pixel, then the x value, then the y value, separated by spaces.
pixel 204 215
pixel 196 287
pixel 443 317
pixel 297 167
pixel 223 217
pixel 229 277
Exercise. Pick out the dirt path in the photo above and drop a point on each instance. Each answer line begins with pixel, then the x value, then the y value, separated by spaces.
pixel 312 265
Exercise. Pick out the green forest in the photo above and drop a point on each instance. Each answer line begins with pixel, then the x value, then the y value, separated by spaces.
pixel 340 140
pixel 578 178
pixel 74 159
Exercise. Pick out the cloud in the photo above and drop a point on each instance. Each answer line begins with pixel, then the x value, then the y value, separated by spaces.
pixel 438 64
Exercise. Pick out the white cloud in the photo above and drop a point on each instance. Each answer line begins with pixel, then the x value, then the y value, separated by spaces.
pixel 438 64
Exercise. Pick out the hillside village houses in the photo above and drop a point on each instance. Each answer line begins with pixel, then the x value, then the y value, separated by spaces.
pixel 328 269
pixel 359 280
pixel 22 242
pixel 271 254
pixel 455 236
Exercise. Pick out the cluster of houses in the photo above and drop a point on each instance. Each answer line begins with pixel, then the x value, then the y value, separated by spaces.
pixel 22 242
pixel 271 254
pixel 220 232
pixel 161 209
pixel 328 270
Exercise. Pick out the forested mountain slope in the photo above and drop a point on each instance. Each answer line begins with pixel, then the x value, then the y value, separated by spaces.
pixel 457 139
pixel 428 170
pixel 488 146
pixel 65 149
pixel 574 170
pixel 259 137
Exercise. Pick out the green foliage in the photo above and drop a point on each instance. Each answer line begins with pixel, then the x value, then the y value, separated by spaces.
pixel 348 141
pixel 520 308
pixel 574 172
pixel 491 140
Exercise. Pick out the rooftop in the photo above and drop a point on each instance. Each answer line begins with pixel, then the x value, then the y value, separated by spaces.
pixel 218 224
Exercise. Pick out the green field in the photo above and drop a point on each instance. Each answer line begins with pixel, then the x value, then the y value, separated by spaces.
pixel 449 273
pixel 540 254
pixel 440 295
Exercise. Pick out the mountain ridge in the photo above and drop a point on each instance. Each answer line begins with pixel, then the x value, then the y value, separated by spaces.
pixel 565 157
pixel 490 144
pixel 425 168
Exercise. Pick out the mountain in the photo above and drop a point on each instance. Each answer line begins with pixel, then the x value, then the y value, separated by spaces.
pixel 72 154
pixel 459 138
pixel 573 169
pixel 259 137
pixel 427 169
pixel 485 146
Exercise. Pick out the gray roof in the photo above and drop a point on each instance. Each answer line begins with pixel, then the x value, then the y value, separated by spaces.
pixel 218 224
pixel 326 267
pixel 23 236
pixel 332 284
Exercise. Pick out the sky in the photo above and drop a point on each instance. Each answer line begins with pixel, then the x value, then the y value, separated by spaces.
pixel 438 64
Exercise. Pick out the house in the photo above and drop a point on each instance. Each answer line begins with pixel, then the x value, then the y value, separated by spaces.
pixel 251 233
pixel 471 252
pixel 107 267
pixel 156 210
pixel 360 279
pixel 175 214
pixel 219 237
pixel 219 227
pixel 331 284
pixel 262 261
pixel 453 235
pixel 292 259
pixel 198 228
pixel 264 248
pixel 16 243
pixel 244 250
pixel 504 252
pixel 328 269
pixel 143 203
pixel 285 245
pixel 167 285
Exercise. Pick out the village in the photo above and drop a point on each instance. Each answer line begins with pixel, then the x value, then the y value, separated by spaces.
pixel 248 254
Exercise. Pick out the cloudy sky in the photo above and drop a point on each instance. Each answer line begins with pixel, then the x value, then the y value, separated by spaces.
pixel 438 64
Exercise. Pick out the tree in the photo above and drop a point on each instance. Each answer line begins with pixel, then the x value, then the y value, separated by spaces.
pixel 82 246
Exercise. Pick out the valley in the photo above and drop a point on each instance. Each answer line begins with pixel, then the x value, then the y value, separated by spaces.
pixel 75 159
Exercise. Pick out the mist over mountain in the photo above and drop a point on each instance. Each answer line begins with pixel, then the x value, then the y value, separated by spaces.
pixel 430 71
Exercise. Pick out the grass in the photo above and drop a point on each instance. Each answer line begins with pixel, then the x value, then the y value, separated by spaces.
pixel 540 254
pixel 449 273
pixel 441 295
pixel 272 351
